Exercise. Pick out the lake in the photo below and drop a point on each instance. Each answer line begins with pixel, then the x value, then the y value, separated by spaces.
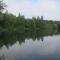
pixel 21 47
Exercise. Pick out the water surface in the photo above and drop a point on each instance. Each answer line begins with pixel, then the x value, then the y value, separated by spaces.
pixel 43 48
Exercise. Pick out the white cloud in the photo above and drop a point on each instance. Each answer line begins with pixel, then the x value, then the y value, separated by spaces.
pixel 48 8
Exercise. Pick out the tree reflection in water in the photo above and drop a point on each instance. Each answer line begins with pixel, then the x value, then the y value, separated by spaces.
pixel 2 57
pixel 11 38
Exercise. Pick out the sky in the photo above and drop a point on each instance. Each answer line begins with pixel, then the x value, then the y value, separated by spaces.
pixel 50 9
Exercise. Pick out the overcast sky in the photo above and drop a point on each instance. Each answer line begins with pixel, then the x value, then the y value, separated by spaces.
pixel 50 9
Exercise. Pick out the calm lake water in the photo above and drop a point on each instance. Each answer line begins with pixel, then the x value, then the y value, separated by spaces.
pixel 43 48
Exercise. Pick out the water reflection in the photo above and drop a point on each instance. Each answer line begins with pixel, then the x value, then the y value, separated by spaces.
pixel 11 38
pixel 30 46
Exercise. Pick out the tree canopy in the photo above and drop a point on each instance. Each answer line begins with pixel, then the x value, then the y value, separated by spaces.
pixel 12 23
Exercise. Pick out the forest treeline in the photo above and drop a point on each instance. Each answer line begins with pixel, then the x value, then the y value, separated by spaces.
pixel 12 23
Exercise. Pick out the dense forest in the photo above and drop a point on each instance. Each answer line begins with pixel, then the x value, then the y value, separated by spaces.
pixel 12 23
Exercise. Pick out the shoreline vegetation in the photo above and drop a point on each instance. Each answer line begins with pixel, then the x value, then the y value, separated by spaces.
pixel 11 23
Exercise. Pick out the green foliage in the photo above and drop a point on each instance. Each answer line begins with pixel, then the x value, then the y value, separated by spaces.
pixel 11 23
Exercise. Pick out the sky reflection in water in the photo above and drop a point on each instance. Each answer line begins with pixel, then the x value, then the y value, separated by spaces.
pixel 49 48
